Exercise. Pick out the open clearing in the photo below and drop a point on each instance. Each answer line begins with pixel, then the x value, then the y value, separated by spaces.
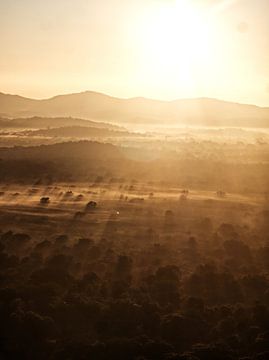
pixel 121 209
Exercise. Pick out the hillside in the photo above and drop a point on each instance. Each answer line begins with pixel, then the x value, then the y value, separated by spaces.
pixel 78 132
pixel 54 122
pixel 69 150
pixel 198 165
pixel 100 107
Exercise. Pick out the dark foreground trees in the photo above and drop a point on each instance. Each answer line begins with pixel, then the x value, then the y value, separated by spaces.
pixel 63 298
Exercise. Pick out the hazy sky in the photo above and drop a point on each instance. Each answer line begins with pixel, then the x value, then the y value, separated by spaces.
pixel 160 49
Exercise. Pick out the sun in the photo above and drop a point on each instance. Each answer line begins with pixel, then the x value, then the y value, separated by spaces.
pixel 175 42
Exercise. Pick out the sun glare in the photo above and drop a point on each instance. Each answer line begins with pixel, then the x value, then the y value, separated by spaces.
pixel 175 41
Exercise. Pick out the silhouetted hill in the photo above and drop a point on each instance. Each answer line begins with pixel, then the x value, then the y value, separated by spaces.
pixel 79 132
pixel 69 161
pixel 56 122
pixel 68 150
pixel 100 107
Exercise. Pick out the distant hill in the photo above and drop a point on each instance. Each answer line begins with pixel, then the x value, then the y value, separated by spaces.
pixel 100 107
pixel 79 132
pixel 54 122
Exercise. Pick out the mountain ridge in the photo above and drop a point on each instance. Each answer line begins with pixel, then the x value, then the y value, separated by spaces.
pixel 101 107
pixel 91 92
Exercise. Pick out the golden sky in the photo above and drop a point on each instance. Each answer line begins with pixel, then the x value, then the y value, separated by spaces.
pixel 163 49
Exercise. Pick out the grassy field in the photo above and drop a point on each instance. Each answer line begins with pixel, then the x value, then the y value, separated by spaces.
pixel 122 209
